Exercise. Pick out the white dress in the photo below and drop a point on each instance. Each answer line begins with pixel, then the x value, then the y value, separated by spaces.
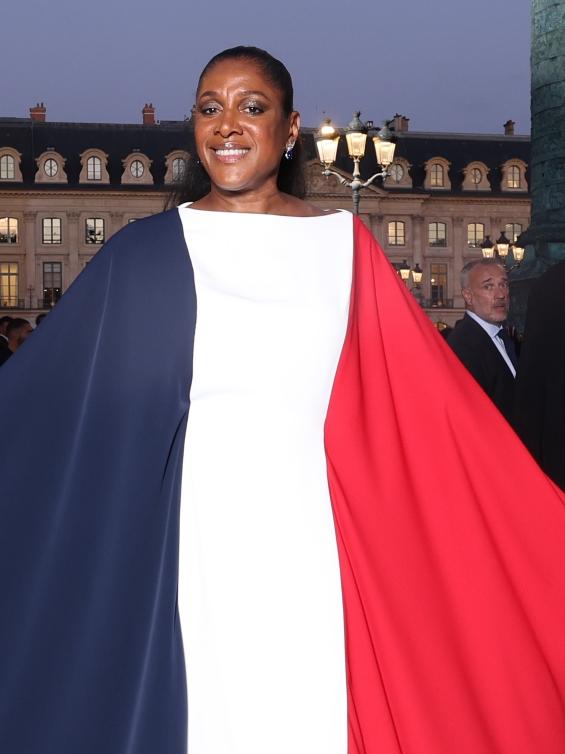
pixel 259 591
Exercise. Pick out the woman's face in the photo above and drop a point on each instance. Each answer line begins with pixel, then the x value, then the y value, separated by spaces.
pixel 240 128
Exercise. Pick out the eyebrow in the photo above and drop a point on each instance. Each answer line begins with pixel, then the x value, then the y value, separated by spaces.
pixel 244 93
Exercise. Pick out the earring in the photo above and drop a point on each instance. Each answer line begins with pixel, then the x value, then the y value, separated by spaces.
pixel 288 151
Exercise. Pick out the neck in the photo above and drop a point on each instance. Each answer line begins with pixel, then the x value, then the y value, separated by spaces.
pixel 268 202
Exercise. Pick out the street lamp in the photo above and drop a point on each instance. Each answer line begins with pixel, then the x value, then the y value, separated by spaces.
pixel 487 248
pixel 503 248
pixel 356 133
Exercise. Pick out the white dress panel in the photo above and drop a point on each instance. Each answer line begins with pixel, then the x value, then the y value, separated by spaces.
pixel 259 591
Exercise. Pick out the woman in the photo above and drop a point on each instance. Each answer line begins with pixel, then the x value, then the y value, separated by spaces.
pixel 433 624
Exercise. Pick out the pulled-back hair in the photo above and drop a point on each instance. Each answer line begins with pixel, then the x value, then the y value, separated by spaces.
pixel 488 262
pixel 196 183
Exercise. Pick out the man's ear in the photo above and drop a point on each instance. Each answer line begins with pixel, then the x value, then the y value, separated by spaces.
pixel 467 295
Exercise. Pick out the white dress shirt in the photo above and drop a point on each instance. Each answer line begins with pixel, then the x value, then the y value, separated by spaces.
pixel 493 331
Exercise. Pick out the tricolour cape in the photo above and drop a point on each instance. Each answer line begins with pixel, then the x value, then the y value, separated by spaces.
pixel 451 540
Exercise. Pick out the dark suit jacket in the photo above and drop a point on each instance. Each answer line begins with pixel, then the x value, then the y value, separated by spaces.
pixel 540 388
pixel 475 349
pixel 5 352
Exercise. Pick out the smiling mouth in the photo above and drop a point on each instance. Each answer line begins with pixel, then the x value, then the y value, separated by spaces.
pixel 230 154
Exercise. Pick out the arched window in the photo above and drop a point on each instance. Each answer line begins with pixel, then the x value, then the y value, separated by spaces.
pixel 437 234
pixel 7 168
pixel 475 234
pixel 513 177
pixel 437 175
pixel 396 233
pixel 512 231
pixel 179 169
pixel 8 230
pixel 94 169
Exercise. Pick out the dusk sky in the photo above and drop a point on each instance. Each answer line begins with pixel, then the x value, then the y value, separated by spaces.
pixel 448 65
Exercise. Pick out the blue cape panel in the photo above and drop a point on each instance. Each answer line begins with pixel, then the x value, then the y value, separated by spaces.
pixel 93 410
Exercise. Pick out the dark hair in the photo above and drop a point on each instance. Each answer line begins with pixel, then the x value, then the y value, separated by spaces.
pixel 16 325
pixel 196 183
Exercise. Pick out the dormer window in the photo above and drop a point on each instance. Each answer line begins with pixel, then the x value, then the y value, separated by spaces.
pixel 179 169
pixel 50 168
pixel 10 165
pixel 514 176
pixel 177 165
pixel 437 179
pixel 437 174
pixel 94 167
pixel 7 168
pixel 476 177
pixel 137 169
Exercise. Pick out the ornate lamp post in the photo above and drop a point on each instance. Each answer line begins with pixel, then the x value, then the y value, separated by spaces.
pixel 502 249
pixel 327 140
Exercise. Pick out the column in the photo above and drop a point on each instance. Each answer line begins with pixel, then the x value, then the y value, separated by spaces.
pixel 73 263
pixel 29 287
pixel 459 243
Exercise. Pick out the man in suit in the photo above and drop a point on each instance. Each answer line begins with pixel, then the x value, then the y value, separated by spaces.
pixel 4 350
pixel 17 332
pixel 479 339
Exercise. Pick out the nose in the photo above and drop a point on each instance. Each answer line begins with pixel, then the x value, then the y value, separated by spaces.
pixel 228 123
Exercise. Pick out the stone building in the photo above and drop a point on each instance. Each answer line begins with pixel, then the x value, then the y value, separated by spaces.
pixel 65 188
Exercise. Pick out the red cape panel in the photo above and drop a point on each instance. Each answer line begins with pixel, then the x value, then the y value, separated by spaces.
pixel 451 543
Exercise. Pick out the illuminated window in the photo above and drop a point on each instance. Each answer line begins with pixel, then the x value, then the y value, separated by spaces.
pixel 52 283
pixel 513 177
pixel 512 231
pixel 437 234
pixel 8 230
pixel 437 174
pixel 51 232
pixel 94 169
pixel 7 168
pixel 396 233
pixel 9 283
pixel 475 234
pixel 94 228
pixel 438 284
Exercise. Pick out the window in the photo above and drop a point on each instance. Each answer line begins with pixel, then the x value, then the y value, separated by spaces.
pixel 51 168
pixel 513 177
pixel 396 234
pixel 437 234
pixel 476 176
pixel 438 283
pixel 437 175
pixel 512 231
pixel 136 168
pixel 475 234
pixel 8 230
pixel 94 169
pixel 7 168
pixel 94 230
pixel 52 283
pixel 9 283
pixel 179 169
pixel 51 232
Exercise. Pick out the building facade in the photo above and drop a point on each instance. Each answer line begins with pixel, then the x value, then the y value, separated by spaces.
pixel 65 188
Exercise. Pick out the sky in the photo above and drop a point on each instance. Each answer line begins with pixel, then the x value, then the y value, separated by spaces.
pixel 448 65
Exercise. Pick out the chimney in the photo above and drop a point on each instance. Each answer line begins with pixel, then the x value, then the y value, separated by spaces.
pixel 148 114
pixel 509 128
pixel 38 113
pixel 400 123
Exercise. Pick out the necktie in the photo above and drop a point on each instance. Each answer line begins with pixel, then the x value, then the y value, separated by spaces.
pixel 509 346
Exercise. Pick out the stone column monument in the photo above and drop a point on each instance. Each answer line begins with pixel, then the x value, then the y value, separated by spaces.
pixel 544 240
